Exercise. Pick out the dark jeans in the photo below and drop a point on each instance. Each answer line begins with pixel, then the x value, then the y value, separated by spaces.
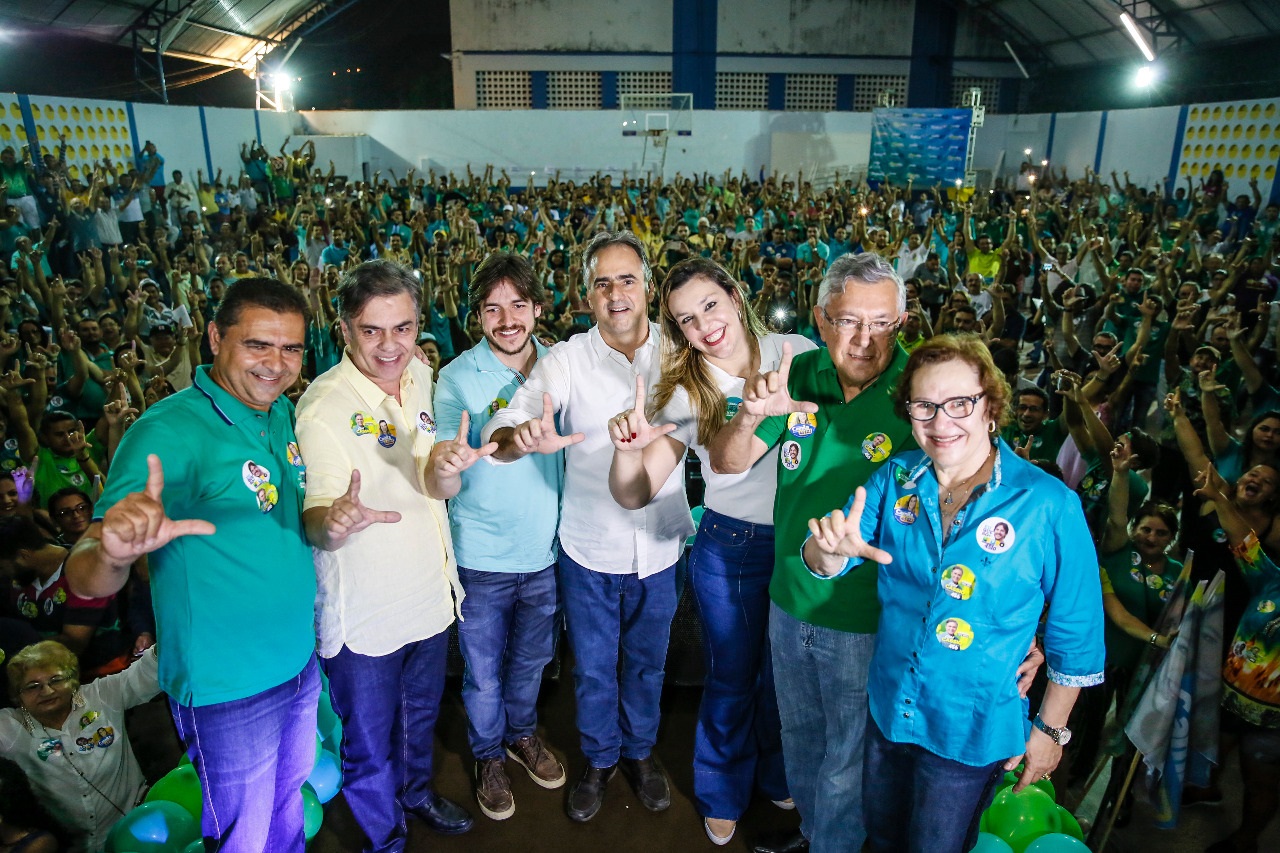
pixel 821 678
pixel 918 802
pixel 388 706
pixel 739 737
pixel 614 619
pixel 507 637
pixel 252 756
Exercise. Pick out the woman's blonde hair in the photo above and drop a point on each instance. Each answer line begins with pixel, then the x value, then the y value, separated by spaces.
pixel 48 654
pixel 682 365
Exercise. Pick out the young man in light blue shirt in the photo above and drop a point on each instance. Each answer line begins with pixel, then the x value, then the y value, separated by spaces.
pixel 506 550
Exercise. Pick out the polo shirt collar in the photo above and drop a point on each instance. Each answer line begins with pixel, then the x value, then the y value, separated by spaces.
pixel 487 361
pixel 370 394
pixel 230 408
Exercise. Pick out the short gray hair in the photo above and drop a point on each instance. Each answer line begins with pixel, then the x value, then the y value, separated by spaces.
pixel 604 240
pixel 862 268
pixel 371 279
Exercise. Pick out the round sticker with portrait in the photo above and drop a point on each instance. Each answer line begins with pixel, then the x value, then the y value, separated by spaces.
pixel 731 406
pixel 955 634
pixel 996 535
pixel 426 424
pixel 268 497
pixel 362 423
pixel 790 455
pixel 906 509
pixel 802 424
pixel 877 447
pixel 386 434
pixel 254 475
pixel 294 453
pixel 958 582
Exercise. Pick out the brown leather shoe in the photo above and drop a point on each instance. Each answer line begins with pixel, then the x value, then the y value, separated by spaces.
pixel 543 767
pixel 493 789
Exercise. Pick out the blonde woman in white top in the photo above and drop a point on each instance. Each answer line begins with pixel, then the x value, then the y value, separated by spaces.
pixel 711 342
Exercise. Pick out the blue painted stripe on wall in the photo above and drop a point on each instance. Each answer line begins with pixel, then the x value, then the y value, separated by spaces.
pixel 693 50
pixel 1053 128
pixel 208 154
pixel 1102 139
pixel 609 90
pixel 844 92
pixel 777 97
pixel 29 123
pixel 538 89
pixel 257 125
pixel 133 130
pixel 1176 154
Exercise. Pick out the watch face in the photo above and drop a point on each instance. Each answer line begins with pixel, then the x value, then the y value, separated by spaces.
pixel 1064 736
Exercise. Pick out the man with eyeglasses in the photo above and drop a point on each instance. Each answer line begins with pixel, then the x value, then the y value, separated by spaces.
pixel 836 406
pixel 1032 428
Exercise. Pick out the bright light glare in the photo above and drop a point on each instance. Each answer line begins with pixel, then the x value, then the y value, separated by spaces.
pixel 283 82
pixel 1145 76
pixel 1138 38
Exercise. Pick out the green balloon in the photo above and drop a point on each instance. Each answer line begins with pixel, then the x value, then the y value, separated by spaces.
pixel 185 759
pixel 196 846
pixel 312 812
pixel 1011 779
pixel 1018 819
pixel 1070 825
pixel 182 786
pixel 988 843
pixel 319 750
pixel 156 827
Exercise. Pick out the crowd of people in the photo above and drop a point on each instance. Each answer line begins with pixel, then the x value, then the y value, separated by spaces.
pixel 416 401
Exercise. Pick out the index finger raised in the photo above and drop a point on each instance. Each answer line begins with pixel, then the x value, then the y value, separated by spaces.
pixel 155 477
pixel 464 427
pixel 640 393
pixel 784 367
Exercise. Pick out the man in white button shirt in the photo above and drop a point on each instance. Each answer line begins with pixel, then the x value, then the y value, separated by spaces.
pixel 385 596
pixel 617 577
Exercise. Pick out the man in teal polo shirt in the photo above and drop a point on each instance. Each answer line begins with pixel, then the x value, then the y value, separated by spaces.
pixel 506 548
pixel 832 409
pixel 210 483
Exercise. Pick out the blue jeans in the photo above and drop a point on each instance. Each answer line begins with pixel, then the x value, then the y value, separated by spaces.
pixel 388 706
pixel 739 738
pixel 252 756
pixel 506 636
pixel 821 679
pixel 918 802
pixel 612 617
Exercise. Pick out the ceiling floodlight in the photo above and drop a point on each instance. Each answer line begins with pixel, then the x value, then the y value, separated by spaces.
pixel 283 82
pixel 1145 76
pixel 1138 38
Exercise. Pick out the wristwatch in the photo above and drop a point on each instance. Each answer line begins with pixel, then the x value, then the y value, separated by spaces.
pixel 1061 736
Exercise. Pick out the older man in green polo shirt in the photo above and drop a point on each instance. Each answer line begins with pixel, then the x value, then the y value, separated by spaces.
pixel 832 409
pixel 210 483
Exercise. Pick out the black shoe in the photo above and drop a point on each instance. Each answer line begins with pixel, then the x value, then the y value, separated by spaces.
pixel 648 781
pixel 443 816
pixel 782 842
pixel 587 796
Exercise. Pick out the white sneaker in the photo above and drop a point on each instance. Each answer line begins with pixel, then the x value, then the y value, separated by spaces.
pixel 716 839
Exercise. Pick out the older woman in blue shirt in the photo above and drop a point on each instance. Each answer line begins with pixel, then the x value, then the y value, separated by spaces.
pixel 972 542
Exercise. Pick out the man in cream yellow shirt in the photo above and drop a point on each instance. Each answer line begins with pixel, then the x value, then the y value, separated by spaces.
pixel 386 595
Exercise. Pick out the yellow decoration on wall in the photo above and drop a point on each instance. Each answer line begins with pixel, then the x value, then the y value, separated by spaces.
pixel 15 111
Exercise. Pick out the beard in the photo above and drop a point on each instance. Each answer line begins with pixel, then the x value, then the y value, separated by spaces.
pixel 509 347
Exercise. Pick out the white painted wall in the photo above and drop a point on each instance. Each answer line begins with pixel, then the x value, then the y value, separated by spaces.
pixel 837 27
pixel 565 25
pixel 577 141
pixel 1140 142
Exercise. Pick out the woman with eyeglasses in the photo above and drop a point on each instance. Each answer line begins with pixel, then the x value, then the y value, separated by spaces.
pixel 970 542
pixel 712 341
pixel 71 741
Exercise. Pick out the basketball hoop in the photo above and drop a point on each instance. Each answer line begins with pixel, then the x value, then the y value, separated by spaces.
pixel 658 136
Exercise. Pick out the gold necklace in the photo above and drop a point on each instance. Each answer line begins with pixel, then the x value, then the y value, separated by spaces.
pixel 967 483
